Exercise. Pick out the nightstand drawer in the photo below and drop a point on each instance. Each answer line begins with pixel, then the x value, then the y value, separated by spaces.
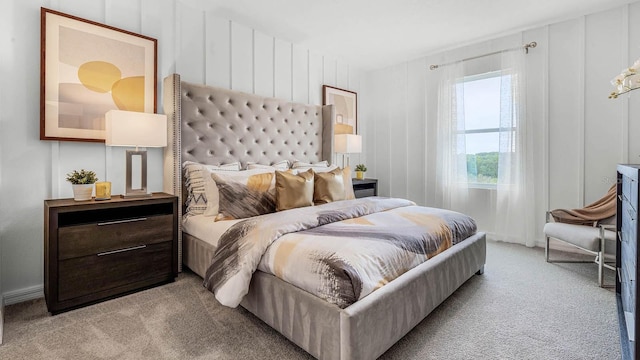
pixel 360 193
pixel 90 274
pixel 89 239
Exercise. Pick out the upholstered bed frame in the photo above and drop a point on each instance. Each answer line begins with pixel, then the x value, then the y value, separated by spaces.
pixel 214 126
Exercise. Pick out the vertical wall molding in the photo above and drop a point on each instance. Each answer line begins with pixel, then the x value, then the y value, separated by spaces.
pixel 292 72
pixel 625 59
pixel 204 46
pixel 253 61
pixel 546 166
pixel 55 169
pixel 581 112
pixel 231 55
pixel 308 77
pixel 274 67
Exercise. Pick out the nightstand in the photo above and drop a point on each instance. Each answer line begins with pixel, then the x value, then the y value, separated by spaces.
pixel 365 187
pixel 97 250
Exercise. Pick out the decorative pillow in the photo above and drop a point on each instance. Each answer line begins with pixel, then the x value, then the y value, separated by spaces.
pixel 245 196
pixel 348 184
pixel 328 187
pixel 195 182
pixel 294 191
pixel 280 166
pixel 322 166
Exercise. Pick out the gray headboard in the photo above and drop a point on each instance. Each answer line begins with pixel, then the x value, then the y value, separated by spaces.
pixel 213 126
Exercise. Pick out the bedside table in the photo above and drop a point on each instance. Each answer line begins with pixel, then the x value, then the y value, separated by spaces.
pixel 97 250
pixel 365 187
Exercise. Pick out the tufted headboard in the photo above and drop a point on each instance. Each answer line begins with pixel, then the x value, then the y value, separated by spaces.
pixel 213 126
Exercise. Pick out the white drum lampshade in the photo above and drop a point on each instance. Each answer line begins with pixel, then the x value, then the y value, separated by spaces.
pixel 135 129
pixel 348 144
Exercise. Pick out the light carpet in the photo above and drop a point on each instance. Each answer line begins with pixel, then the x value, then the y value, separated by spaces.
pixel 521 308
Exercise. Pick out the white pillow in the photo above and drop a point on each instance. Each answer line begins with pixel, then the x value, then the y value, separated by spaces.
pixel 196 184
pixel 280 166
pixel 322 166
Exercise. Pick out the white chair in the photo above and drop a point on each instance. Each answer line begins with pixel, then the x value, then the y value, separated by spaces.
pixel 597 240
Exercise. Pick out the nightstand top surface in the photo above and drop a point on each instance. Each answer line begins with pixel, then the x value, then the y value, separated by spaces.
pixel 115 199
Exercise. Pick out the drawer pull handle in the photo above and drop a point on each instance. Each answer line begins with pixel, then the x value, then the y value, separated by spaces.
pixel 122 250
pixel 620 236
pixel 121 221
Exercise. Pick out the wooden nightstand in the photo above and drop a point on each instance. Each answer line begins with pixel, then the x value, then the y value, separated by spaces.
pixel 97 250
pixel 365 187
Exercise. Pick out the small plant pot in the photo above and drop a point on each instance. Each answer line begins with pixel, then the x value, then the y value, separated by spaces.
pixel 82 192
pixel 359 175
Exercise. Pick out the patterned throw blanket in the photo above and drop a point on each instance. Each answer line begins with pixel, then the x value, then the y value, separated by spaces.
pixel 340 251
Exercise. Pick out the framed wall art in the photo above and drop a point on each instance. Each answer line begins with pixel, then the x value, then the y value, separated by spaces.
pixel 87 69
pixel 346 105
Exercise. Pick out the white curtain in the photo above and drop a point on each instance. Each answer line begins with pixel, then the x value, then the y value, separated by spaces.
pixel 512 197
pixel 451 183
pixel 514 218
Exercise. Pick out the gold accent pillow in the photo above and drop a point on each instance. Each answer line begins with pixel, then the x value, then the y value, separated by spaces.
pixel 328 187
pixel 294 191
pixel 348 184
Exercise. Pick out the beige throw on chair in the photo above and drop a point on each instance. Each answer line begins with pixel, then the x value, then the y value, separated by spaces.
pixel 589 215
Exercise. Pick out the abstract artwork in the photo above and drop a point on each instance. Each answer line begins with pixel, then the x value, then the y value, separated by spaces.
pixel 346 106
pixel 87 69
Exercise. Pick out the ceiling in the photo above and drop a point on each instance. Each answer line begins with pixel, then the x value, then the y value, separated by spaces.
pixel 377 33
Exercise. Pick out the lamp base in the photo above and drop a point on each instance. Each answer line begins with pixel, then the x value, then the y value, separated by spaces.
pixel 129 190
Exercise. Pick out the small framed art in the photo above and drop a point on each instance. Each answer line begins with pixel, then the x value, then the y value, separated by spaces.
pixel 87 69
pixel 346 105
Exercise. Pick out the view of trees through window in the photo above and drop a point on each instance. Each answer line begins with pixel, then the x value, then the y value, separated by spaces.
pixel 481 98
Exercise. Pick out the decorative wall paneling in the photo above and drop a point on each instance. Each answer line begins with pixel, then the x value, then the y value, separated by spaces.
pixel 195 41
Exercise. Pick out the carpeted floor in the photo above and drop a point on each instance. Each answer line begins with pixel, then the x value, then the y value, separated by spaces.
pixel 521 308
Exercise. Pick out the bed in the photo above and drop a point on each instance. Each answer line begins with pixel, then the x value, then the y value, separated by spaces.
pixel 203 119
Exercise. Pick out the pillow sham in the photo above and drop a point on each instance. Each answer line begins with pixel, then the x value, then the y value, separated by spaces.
pixel 349 194
pixel 245 195
pixel 328 187
pixel 280 165
pixel 294 191
pixel 322 166
pixel 196 184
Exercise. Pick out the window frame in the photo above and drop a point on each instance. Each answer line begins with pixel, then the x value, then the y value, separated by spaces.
pixel 513 129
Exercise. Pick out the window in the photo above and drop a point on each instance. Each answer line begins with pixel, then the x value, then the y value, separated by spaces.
pixel 479 99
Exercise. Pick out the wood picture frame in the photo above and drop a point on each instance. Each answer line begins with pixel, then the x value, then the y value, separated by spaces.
pixel 87 69
pixel 346 106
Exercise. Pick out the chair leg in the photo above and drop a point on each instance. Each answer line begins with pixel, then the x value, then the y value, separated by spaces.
pixel 546 249
pixel 600 268
pixel 601 258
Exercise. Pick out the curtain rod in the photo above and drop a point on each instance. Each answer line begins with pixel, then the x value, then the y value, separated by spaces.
pixel 525 47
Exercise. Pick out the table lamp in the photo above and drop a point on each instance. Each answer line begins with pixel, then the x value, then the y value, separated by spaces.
pixel 348 144
pixel 135 129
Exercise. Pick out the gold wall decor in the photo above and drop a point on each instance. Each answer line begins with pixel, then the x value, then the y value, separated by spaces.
pixel 87 69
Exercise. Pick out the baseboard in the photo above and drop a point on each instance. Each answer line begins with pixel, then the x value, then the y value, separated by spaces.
pixel 21 295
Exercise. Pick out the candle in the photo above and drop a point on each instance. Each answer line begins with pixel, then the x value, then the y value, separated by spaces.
pixel 103 190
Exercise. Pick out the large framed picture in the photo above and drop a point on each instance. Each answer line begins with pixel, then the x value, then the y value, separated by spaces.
pixel 87 69
pixel 346 105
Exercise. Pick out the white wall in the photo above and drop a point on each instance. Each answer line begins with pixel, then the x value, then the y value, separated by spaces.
pixel 580 134
pixel 192 40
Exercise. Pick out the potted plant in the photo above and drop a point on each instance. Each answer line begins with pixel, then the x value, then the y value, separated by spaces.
pixel 360 170
pixel 82 182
